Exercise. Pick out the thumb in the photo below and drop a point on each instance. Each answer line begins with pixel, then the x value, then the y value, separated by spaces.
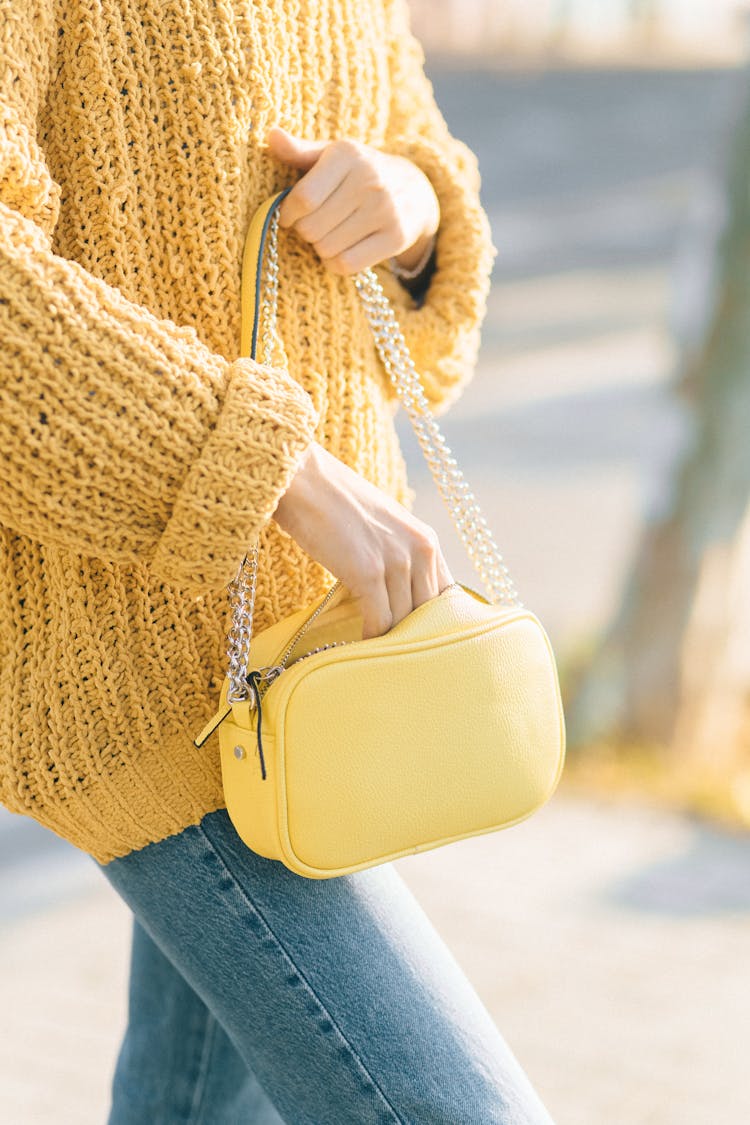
pixel 294 150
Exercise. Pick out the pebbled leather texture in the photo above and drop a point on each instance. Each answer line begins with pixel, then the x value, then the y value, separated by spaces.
pixel 449 725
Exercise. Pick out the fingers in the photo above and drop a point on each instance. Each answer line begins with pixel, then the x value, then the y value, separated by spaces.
pixel 424 575
pixel 377 617
pixel 411 578
pixel 312 190
pixel 398 582
pixel 356 205
pixel 318 222
pixel 389 560
pixel 350 228
pixel 360 253
pixel 445 578
pixel 351 247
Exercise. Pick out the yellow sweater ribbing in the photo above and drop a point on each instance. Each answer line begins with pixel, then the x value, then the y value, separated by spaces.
pixel 139 457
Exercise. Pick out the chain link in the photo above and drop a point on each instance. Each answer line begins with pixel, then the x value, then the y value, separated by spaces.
pixel 242 587
pixel 241 604
pixel 462 504
pixel 452 486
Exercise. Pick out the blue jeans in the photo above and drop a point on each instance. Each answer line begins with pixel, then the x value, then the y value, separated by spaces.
pixel 258 997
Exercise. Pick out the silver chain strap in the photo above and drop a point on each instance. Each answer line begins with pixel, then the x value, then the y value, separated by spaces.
pixel 462 504
pixel 242 587
pixel 460 500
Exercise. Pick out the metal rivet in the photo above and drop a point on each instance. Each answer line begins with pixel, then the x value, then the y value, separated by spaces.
pixel 239 752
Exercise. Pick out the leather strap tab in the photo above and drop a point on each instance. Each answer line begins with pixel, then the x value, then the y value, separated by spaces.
pixel 252 266
pixel 211 725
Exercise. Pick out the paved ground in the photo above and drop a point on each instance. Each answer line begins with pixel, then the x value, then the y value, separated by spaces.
pixel 610 942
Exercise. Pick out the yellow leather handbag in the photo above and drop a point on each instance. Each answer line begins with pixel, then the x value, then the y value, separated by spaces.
pixel 339 752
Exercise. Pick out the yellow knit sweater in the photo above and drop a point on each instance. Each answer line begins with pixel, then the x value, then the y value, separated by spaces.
pixel 139 457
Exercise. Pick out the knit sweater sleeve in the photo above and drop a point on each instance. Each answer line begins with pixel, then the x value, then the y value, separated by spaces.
pixel 122 435
pixel 443 333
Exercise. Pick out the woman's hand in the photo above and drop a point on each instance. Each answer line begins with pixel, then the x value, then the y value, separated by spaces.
pixel 356 205
pixel 385 556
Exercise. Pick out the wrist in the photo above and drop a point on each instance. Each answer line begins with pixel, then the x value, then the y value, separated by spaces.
pixel 412 262
pixel 308 470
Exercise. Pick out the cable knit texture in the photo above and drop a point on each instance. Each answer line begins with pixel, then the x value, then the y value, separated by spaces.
pixel 139 456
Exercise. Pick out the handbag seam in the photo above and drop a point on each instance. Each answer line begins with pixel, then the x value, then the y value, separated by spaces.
pixel 400 648
pixel 285 953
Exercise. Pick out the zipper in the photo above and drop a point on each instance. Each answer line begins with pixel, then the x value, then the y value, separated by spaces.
pixel 277 669
pixel 260 679
pixel 270 672
pixel 265 676
pixel 281 662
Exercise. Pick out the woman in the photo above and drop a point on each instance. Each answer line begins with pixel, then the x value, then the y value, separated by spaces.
pixel 141 458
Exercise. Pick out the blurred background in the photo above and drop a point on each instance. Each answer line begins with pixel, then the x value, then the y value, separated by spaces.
pixel 606 433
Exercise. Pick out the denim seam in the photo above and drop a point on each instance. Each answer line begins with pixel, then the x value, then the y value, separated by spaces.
pixel 252 907
pixel 201 1081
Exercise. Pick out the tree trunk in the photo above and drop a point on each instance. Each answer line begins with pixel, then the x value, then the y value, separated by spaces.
pixel 675 667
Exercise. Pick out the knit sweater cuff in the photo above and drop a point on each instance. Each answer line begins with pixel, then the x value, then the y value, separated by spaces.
pixel 231 491
pixel 443 334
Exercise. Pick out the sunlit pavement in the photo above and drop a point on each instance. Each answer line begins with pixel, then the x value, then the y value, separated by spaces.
pixel 609 942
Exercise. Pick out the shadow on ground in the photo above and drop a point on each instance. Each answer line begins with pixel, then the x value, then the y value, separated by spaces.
pixel 709 878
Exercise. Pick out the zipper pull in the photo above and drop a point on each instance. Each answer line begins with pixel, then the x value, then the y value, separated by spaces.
pixel 268 674
pixel 254 679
